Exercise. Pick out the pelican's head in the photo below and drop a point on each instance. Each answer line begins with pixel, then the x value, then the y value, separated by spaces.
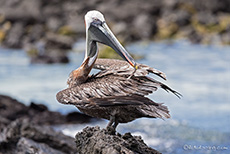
pixel 98 31
pixel 91 16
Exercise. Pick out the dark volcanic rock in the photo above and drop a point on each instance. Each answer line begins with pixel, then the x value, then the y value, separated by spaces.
pixel 25 10
pixel 180 17
pixel 52 49
pixel 226 38
pixel 48 59
pixel 24 23
pixel 94 140
pixel 11 109
pixel 149 24
pixel 194 37
pixel 14 37
pixel 206 18
pixel 215 6
pixel 25 145
pixel 23 136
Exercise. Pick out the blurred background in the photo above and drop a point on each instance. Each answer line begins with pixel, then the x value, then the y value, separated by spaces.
pixel 41 42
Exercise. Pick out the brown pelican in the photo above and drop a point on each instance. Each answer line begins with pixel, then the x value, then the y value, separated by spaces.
pixel 118 91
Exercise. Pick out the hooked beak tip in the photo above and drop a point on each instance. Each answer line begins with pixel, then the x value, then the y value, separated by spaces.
pixel 134 65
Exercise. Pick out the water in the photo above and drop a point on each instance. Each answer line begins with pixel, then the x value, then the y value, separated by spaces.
pixel 200 120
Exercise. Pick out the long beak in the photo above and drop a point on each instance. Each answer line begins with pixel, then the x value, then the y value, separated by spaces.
pixel 100 32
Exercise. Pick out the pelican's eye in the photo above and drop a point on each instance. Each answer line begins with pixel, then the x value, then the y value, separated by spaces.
pixel 96 22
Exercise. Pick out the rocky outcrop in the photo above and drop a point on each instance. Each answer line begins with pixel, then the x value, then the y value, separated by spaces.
pixel 95 140
pixel 46 27
pixel 23 136
pixel 28 130
pixel 11 109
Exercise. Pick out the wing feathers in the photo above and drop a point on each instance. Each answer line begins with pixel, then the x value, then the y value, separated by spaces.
pixel 145 106
pixel 122 67
pixel 115 80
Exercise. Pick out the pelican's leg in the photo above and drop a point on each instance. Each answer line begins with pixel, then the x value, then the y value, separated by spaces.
pixel 111 121
pixel 115 125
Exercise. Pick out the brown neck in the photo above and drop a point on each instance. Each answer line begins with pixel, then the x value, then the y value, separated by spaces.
pixel 80 75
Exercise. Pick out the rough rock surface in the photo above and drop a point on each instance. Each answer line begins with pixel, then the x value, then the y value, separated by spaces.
pixel 95 140
pixel 11 109
pixel 23 136
pixel 26 23
pixel 27 129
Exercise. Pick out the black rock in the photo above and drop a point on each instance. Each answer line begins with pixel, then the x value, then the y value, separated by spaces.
pixel 194 37
pixel 47 59
pixel 28 11
pixel 226 38
pixel 206 18
pixel 32 21
pixel 14 37
pixel 52 49
pixel 149 24
pixel 214 7
pixel 11 109
pixel 25 145
pixel 95 140
pixel 23 136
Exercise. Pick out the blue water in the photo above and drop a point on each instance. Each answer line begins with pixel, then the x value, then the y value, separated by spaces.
pixel 200 120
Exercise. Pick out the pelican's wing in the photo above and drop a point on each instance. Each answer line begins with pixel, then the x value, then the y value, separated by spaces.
pixel 123 67
pixel 146 106
pixel 101 86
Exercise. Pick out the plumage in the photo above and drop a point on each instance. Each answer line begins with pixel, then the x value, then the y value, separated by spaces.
pixel 118 91
pixel 111 93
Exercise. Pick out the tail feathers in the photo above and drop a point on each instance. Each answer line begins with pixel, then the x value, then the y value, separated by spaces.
pixel 120 101
pixel 146 107
pixel 166 88
pixel 163 86
pixel 159 111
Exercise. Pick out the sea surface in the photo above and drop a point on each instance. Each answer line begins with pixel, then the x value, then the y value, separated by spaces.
pixel 200 120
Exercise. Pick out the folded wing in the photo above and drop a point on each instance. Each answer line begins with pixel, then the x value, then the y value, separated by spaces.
pixel 114 80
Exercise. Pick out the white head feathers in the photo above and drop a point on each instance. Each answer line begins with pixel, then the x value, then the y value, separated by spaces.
pixel 91 15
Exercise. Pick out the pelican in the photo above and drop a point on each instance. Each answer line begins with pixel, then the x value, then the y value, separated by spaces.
pixel 117 92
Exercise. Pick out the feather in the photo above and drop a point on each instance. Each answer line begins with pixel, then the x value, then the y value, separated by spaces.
pixel 144 105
